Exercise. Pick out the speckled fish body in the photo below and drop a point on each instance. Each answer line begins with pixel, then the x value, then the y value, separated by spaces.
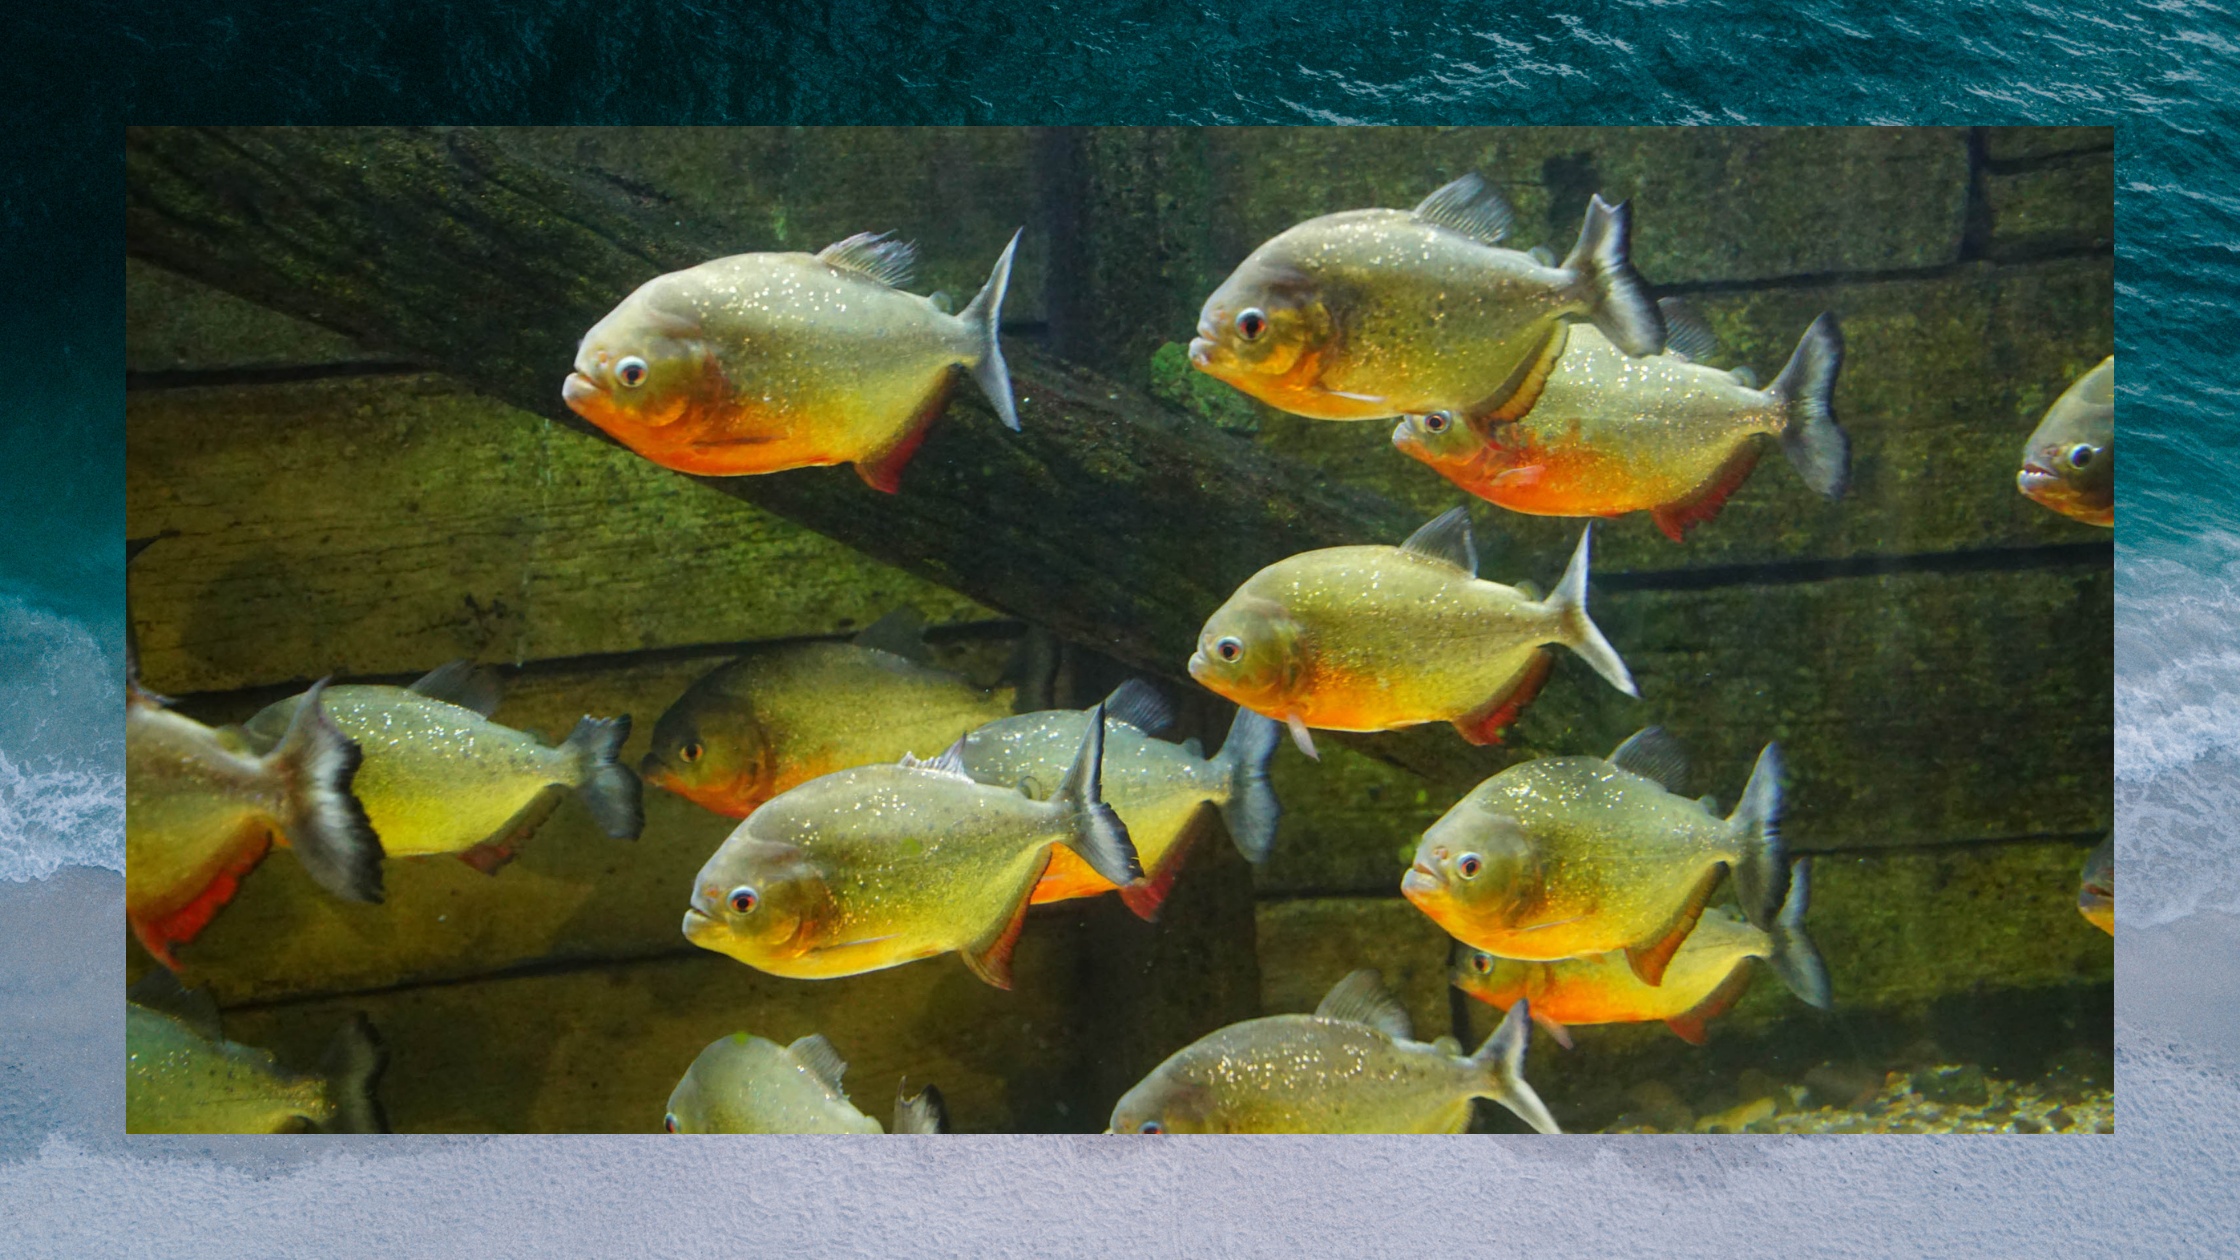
pixel 876 866
pixel 202 808
pixel 761 362
pixel 1326 1073
pixel 2096 890
pixel 1370 638
pixel 773 720
pixel 744 1084
pixel 1372 313
pixel 2069 463
pixel 1611 433
pixel 1568 856
pixel 441 778
pixel 177 1081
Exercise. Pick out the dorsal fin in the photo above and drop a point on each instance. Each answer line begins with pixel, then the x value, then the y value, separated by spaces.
pixel 1140 705
pixel 1686 333
pixel 462 683
pixel 950 763
pixel 1361 998
pixel 1654 754
pixel 1471 207
pixel 873 256
pixel 901 632
pixel 817 1057
pixel 1447 538
pixel 160 991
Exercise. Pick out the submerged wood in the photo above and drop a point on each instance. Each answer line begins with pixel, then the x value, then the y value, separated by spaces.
pixel 1117 522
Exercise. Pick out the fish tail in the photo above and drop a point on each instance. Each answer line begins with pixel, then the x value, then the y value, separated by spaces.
pixel 1092 829
pixel 1578 631
pixel 922 1112
pixel 608 788
pixel 353 1065
pixel 1616 297
pixel 1793 957
pixel 1806 388
pixel 1501 1059
pixel 1251 812
pixel 984 318
pixel 326 825
pixel 1761 874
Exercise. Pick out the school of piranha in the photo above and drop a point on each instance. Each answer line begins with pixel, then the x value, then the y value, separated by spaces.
pixel 871 836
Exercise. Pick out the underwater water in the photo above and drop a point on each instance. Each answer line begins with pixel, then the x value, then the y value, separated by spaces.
pixel 1927 652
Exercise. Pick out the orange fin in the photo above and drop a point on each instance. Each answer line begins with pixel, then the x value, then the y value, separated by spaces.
pixel 488 856
pixel 991 959
pixel 1483 725
pixel 1681 515
pixel 1553 1029
pixel 882 470
pixel 157 936
pixel 1146 898
pixel 505 845
pixel 1689 1023
pixel 1649 961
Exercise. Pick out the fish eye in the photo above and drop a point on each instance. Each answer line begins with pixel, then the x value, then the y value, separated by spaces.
pixel 1251 323
pixel 669 1122
pixel 2082 454
pixel 1470 865
pixel 1229 649
pixel 1481 963
pixel 744 899
pixel 631 371
pixel 691 751
pixel 1151 1126
pixel 1438 422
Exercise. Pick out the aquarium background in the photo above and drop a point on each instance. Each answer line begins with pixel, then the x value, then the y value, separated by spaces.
pixel 1931 652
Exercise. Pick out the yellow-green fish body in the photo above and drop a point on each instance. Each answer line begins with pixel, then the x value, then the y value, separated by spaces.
pixel 1567 856
pixel 182 1076
pixel 761 362
pixel 2069 463
pixel 876 866
pixel 1370 638
pixel 1351 1067
pixel 1372 313
pixel 744 1084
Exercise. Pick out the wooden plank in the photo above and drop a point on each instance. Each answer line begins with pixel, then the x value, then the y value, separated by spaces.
pixel 174 324
pixel 2061 204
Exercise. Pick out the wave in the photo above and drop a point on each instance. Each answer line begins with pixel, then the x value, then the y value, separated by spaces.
pixel 61 744
pixel 2177 656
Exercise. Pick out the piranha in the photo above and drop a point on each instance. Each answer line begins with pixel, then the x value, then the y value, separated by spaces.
pixel 183 1076
pixel 2069 463
pixel 876 866
pixel 440 777
pixel 761 362
pixel 1351 1067
pixel 1373 313
pixel 1162 791
pixel 1663 434
pixel 2096 891
pixel 743 1084
pixel 202 809
pixel 782 715
pixel 1376 638
pixel 1567 856
pixel 1707 974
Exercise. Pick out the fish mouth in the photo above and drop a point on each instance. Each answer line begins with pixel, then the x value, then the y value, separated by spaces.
pixel 697 924
pixel 579 391
pixel 2035 479
pixel 1422 877
pixel 1201 351
pixel 1198 666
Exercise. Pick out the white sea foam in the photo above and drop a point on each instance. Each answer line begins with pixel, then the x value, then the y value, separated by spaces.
pixel 61 745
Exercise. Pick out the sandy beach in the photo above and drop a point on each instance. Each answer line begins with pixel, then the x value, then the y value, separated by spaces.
pixel 2183 979
pixel 61 1020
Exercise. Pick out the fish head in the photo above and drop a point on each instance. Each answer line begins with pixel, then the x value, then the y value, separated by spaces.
pixel 2096 890
pixel 1249 652
pixel 1474 865
pixel 1267 326
pixel 759 898
pixel 647 365
pixel 1447 440
pixel 1167 1101
pixel 2069 462
pixel 714 753
pixel 1499 981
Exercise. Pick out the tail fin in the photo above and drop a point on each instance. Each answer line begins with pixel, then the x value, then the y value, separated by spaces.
pixel 1252 810
pixel 1502 1061
pixel 1761 874
pixel 985 317
pixel 353 1065
pixel 1806 388
pixel 1094 831
pixel 922 1112
pixel 607 788
pixel 326 825
pixel 1617 299
pixel 1793 958
pixel 1579 633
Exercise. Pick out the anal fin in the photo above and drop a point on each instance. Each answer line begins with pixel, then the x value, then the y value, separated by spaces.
pixel 1649 960
pixel 1689 1023
pixel 505 845
pixel 1146 898
pixel 157 936
pixel 1484 724
pixel 1681 515
pixel 882 470
pixel 990 959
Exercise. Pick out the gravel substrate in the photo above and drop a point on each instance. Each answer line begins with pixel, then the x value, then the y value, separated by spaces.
pixel 1946 1099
